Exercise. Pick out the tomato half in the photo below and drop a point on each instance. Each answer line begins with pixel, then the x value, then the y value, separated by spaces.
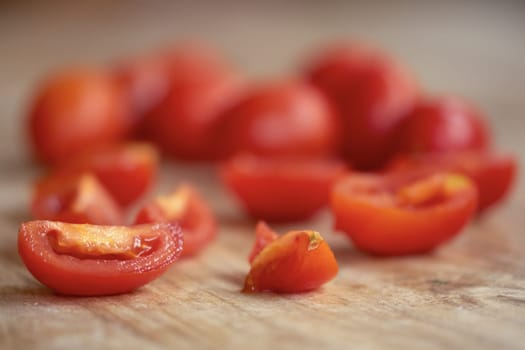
pixel 296 262
pixel 74 110
pixel 127 171
pixel 264 235
pixel 81 259
pixel 402 214
pixel 75 199
pixel 443 125
pixel 492 173
pixel 289 118
pixel 372 94
pixel 186 207
pixel 282 189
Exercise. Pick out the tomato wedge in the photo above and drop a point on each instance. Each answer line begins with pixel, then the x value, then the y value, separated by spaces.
pixel 402 214
pixel 75 199
pixel 493 174
pixel 280 190
pixel 126 170
pixel 186 207
pixel 298 261
pixel 89 260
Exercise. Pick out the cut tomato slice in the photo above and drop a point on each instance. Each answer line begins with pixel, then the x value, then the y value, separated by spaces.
pixel 298 261
pixel 75 199
pixel 402 214
pixel 82 259
pixel 280 190
pixel 186 207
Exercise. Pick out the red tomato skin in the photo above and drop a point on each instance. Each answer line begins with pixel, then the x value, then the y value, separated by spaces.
pixel 74 110
pixel 127 170
pixel 285 118
pixel 372 94
pixel 493 174
pixel 75 199
pixel 281 190
pixel 446 124
pixel 69 275
pixel 293 263
pixel 196 219
pixel 185 122
pixel 382 229
pixel 264 235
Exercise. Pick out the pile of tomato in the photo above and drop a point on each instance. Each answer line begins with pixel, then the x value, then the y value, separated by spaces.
pixel 401 171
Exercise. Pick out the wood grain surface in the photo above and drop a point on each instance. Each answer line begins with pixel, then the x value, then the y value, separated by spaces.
pixel 468 295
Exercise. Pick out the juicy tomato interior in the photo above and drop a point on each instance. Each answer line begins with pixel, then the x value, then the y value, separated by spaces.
pixel 280 190
pixel 186 207
pixel 493 174
pixel 126 170
pixel 402 214
pixel 298 261
pixel 82 259
pixel 75 199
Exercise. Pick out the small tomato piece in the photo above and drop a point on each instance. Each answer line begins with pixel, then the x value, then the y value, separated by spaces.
pixel 288 118
pixel 75 199
pixel 280 190
pixel 264 235
pixel 74 110
pixel 298 261
pixel 127 170
pixel 444 125
pixel 493 174
pixel 186 207
pixel 89 260
pixel 402 214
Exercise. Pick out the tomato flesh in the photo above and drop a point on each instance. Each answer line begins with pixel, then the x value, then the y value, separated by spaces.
pixel 75 199
pixel 264 235
pixel 493 174
pixel 402 214
pixel 89 260
pixel 186 207
pixel 298 261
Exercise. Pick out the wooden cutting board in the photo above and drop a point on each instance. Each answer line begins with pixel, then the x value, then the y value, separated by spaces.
pixel 468 295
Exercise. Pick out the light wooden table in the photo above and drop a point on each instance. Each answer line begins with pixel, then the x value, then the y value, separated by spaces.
pixel 468 295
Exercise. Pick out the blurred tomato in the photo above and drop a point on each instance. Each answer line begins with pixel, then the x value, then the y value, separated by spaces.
pixel 74 110
pixel 289 118
pixel 371 92
pixel 444 124
pixel 201 86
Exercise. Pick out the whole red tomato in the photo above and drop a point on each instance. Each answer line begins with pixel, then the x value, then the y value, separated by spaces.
pixel 288 118
pixel 74 110
pixel 442 125
pixel 372 94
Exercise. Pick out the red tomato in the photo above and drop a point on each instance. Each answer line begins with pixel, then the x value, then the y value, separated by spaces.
pixel 372 95
pixel 296 262
pixel 442 125
pixel 264 235
pixel 74 110
pixel 75 199
pixel 186 207
pixel 281 189
pixel 493 174
pixel 81 259
pixel 184 124
pixel 145 81
pixel 402 214
pixel 281 119
pixel 127 171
